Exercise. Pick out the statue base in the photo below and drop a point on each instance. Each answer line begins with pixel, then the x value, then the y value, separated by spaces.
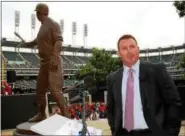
pixel 24 129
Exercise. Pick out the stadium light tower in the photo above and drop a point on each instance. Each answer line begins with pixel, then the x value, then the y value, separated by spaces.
pixel 160 54
pixel 85 34
pixel 62 31
pixel 17 22
pixel 74 29
pixel 62 26
pixel 33 24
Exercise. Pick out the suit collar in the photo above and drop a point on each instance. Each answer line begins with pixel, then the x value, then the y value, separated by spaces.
pixel 144 72
pixel 135 67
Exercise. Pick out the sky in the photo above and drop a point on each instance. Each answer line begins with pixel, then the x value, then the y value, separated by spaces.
pixel 153 24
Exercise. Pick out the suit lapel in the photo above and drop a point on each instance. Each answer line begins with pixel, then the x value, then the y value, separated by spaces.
pixel 143 75
pixel 143 81
pixel 146 89
pixel 118 96
pixel 119 84
pixel 144 84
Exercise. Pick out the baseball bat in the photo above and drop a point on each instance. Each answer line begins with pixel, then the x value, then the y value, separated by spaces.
pixel 18 35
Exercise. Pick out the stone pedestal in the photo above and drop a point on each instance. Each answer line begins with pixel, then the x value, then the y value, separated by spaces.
pixel 24 129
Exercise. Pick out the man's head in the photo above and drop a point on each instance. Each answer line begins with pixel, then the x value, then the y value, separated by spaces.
pixel 128 50
pixel 42 10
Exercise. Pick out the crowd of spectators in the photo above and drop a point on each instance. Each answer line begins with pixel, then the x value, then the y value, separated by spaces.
pixel 6 89
pixel 94 111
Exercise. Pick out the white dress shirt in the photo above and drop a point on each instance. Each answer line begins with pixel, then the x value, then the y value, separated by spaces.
pixel 139 121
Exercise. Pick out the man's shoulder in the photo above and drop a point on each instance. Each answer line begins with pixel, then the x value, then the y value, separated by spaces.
pixel 113 74
pixel 52 22
pixel 153 65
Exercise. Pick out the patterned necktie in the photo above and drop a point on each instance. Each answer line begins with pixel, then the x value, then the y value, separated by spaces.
pixel 129 105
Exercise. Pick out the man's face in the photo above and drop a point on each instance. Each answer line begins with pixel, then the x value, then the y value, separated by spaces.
pixel 128 51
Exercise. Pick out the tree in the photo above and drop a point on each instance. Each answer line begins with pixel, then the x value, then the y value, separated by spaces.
pixel 101 63
pixel 182 62
pixel 180 7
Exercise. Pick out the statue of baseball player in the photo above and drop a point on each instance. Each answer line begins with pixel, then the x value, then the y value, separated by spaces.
pixel 49 41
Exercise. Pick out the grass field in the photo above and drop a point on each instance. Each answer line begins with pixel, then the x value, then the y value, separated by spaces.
pixel 98 124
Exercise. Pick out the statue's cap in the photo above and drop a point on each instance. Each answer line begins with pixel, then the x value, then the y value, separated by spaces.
pixel 42 8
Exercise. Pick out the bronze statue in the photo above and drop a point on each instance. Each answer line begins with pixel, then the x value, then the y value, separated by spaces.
pixel 49 41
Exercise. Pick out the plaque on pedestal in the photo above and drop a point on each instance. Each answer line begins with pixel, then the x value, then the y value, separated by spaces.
pixel 51 125
pixel 62 126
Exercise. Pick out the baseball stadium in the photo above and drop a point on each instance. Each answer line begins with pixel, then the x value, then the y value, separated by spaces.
pixel 21 68
pixel 57 84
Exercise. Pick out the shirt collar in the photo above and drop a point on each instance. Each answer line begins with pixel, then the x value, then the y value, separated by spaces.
pixel 135 67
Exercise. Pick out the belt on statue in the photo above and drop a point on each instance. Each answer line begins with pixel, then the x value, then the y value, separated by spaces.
pixel 44 61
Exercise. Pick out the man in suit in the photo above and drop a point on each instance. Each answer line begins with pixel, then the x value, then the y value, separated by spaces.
pixel 142 98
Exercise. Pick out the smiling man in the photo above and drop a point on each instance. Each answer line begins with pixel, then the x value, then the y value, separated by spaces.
pixel 142 98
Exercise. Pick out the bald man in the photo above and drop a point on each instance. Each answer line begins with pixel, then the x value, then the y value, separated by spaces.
pixel 49 41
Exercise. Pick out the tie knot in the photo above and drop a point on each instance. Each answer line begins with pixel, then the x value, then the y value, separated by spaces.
pixel 130 70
